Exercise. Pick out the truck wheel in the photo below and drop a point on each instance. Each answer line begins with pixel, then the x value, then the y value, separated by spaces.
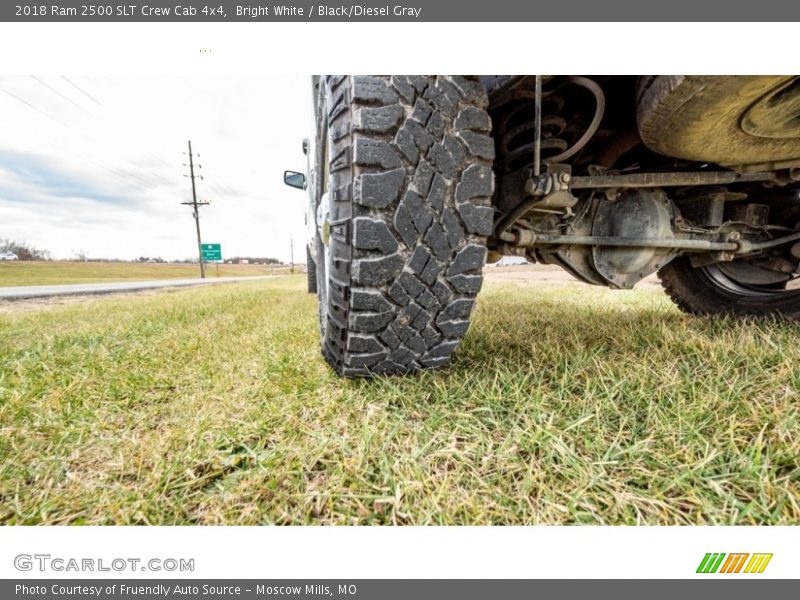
pixel 728 289
pixel 311 272
pixel 405 180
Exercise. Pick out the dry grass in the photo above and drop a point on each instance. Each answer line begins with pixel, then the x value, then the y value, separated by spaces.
pixel 564 405
pixel 63 272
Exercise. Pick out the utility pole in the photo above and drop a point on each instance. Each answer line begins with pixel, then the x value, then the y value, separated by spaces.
pixel 195 207
pixel 291 252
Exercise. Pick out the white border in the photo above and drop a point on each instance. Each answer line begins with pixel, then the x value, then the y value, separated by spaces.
pixel 291 48
pixel 411 552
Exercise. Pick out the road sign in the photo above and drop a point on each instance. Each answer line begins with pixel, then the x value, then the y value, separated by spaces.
pixel 212 251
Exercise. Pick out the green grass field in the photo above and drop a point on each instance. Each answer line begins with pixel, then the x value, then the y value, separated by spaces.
pixel 53 273
pixel 564 405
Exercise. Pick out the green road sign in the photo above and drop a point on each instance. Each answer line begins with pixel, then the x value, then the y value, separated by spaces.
pixel 211 251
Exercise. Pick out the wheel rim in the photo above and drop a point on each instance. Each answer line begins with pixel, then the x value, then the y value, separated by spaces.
pixel 729 283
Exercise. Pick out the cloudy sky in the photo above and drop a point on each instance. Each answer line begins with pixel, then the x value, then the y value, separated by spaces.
pixel 95 163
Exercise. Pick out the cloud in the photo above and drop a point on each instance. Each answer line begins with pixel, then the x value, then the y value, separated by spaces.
pixel 35 179
pixel 96 163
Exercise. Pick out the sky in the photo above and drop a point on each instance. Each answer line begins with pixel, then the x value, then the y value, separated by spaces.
pixel 94 164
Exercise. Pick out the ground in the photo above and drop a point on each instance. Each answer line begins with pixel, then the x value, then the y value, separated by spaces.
pixel 565 404
pixel 56 272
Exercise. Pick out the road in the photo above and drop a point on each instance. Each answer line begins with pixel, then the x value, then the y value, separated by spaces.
pixel 548 275
pixel 77 289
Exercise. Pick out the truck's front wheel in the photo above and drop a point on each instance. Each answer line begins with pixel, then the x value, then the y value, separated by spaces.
pixel 405 180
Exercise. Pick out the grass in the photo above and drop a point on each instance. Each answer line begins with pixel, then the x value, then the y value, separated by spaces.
pixel 64 272
pixel 564 405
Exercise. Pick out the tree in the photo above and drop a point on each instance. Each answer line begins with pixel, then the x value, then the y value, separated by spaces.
pixel 24 250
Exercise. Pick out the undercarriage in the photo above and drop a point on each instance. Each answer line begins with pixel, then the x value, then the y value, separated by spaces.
pixel 577 185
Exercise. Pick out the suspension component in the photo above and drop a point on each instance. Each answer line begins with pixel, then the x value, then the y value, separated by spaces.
pixel 599 110
pixel 526 237
pixel 541 125
pixel 531 132
pixel 517 130
pixel 548 191
pixel 650 180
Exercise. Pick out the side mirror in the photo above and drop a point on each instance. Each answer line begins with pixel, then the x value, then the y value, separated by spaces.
pixel 294 179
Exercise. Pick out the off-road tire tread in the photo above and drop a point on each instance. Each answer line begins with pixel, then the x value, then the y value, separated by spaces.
pixel 411 186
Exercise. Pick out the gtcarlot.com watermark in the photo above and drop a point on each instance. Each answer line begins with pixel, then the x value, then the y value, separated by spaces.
pixel 58 564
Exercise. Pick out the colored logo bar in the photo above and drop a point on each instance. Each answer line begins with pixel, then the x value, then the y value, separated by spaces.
pixel 719 562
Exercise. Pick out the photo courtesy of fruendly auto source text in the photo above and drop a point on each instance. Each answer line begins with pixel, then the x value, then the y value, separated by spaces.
pixel 281 318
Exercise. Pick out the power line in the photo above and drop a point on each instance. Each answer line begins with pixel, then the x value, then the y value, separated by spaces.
pixel 116 170
pixel 49 116
pixel 216 189
pixel 55 91
pixel 221 190
pixel 81 90
pixel 36 108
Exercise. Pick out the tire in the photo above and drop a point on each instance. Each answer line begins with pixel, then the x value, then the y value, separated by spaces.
pixel 743 122
pixel 409 188
pixel 311 272
pixel 709 291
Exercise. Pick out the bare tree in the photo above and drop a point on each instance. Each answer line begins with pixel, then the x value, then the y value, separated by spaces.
pixel 24 250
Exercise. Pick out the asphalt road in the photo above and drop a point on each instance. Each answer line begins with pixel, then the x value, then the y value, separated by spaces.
pixel 77 289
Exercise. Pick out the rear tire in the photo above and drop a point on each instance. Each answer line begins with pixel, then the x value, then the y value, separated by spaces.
pixel 708 291
pixel 409 182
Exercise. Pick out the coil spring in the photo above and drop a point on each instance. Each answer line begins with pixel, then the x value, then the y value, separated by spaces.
pixel 517 131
